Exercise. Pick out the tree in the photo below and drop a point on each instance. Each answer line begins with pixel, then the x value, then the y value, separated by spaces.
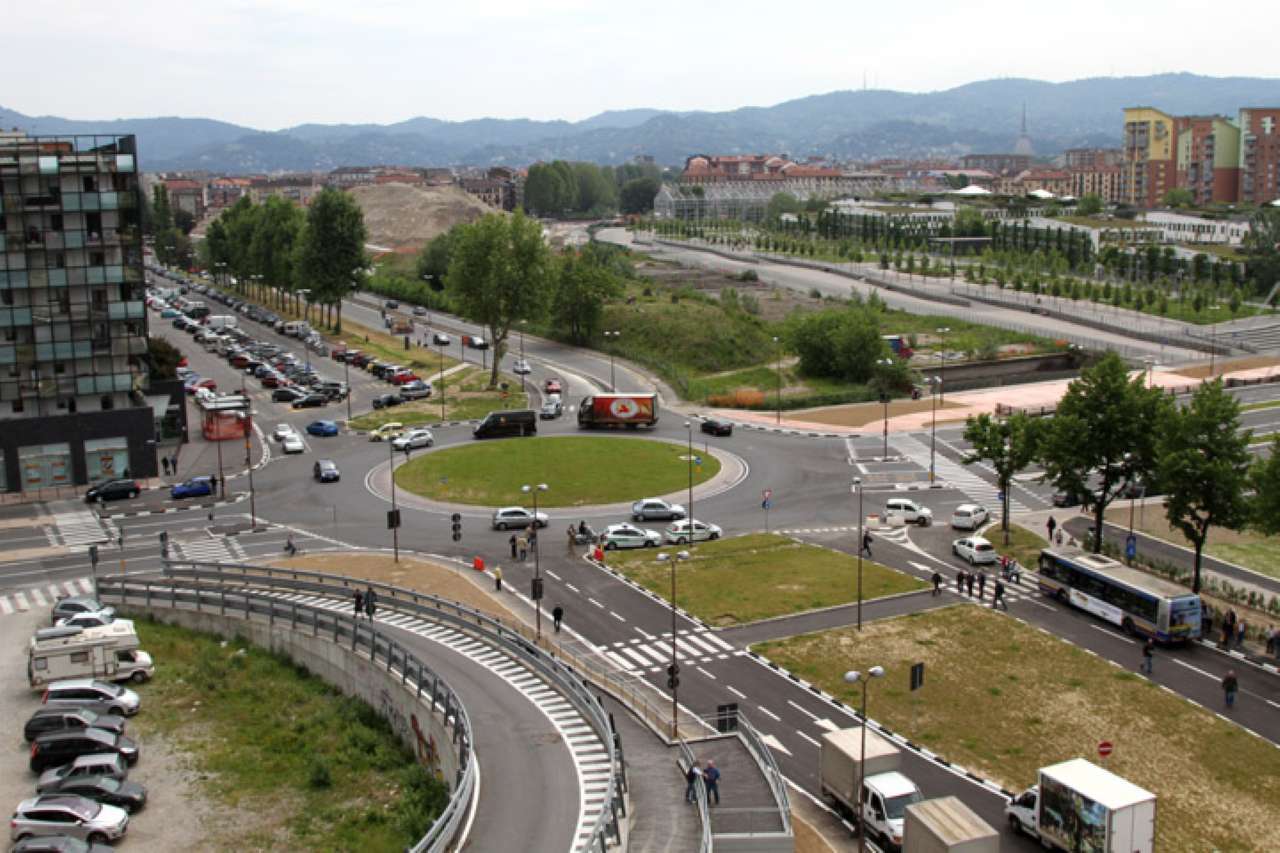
pixel 1264 481
pixel 1178 197
pixel 781 203
pixel 501 272
pixel 637 195
pixel 1204 467
pixel 434 258
pixel 1262 247
pixel 1090 204
pixel 162 359
pixel 582 284
pixel 331 258
pixel 278 229
pixel 969 223
pixel 1107 425
pixel 1009 444
pixel 842 344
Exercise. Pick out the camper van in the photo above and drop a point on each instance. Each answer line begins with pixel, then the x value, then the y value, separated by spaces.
pixel 108 651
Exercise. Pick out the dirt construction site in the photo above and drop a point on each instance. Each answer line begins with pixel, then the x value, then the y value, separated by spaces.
pixel 404 218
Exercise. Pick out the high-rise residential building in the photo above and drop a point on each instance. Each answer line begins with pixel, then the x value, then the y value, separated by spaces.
pixel 73 325
pixel 1259 155
pixel 1208 158
pixel 1150 149
pixel 1096 171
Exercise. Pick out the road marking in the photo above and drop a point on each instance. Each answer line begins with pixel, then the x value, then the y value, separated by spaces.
pixel 552 574
pixel 774 743
pixel 646 634
pixel 1208 675
pixel 21 600
pixel 811 740
pixel 636 655
pixel 813 717
pixel 620 661
pixel 571 586
pixel 596 603
pixel 921 566
pixel 769 714
pixel 616 616
pixel 713 678
pixel 1273 704
pixel 1112 634
pixel 735 692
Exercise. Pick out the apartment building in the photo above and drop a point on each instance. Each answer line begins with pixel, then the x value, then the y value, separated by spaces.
pixel 1208 158
pixel 1005 165
pixel 73 326
pixel 1259 155
pixel 1150 151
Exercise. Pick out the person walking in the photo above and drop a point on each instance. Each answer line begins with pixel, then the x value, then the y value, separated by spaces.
pixel 1051 525
pixel 532 536
pixel 997 596
pixel 572 535
pixel 557 616
pixel 522 545
pixel 712 777
pixel 691 778
pixel 960 582
pixel 359 603
pixel 1148 655
pixel 497 578
pixel 866 543
pixel 213 484
pixel 982 584
pixel 1241 632
pixel 290 548
pixel 512 542
pixel 937 583
pixel 968 582
pixel 370 603
pixel 164 462
pixel 173 463
pixel 1229 687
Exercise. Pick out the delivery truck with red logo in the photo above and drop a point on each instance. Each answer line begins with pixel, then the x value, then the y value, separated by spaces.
pixel 614 410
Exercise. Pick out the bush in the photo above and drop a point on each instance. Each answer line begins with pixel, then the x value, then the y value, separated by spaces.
pixel 748 275
pixel 743 398
pixel 318 775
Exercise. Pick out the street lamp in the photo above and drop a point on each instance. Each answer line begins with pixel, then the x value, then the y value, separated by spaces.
pixel 222 479
pixel 689 428
pixel 257 283
pixel 306 314
pixel 1149 362
pixel 884 398
pixel 537 563
pixel 439 379
pixel 936 383
pixel 428 277
pixel 942 354
pixel 857 487
pixel 523 390
pixel 778 354
pixel 614 335
pixel 247 422
pixel 853 676
pixel 673 671
pixel 395 510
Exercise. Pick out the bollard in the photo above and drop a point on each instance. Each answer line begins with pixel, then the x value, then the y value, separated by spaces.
pixel 477 563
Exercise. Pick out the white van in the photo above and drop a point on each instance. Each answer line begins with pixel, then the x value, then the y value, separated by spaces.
pixel 219 322
pixel 106 651
pixel 291 328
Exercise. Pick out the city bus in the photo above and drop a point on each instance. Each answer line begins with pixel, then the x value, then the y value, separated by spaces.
pixel 1135 601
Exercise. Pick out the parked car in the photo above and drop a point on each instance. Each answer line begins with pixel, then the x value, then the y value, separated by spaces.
pixel 391 304
pixel 283 431
pixel 415 390
pixel 62 719
pixel 678 532
pixel 969 517
pixel 521 367
pixel 322 428
pixel 72 604
pixel 58 844
pixel 440 339
pixel 387 431
pixel 293 444
pixel 68 814
pixel 113 490
pixel 419 311
pixel 975 549
pixel 326 471
pixel 75 692
pixel 88 619
pixel 311 401
pixel 287 395
pixel 54 748
pixel 386 401
pixel 126 795
pixel 402 377
pixel 909 511
pixel 711 426
pixel 509 517
pixel 107 764
pixel 629 536
pixel 649 509
pixel 194 488
pixel 413 439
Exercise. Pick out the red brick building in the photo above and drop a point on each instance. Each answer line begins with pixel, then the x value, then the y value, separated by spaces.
pixel 1259 154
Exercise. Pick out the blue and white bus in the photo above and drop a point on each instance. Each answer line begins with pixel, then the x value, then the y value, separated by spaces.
pixel 1135 601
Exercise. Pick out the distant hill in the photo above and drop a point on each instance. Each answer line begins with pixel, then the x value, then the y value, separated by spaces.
pixel 982 116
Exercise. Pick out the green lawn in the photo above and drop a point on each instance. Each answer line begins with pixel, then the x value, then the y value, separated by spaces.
pixel 1002 699
pixel 306 767
pixel 466 395
pixel 748 578
pixel 1263 404
pixel 1024 545
pixel 579 471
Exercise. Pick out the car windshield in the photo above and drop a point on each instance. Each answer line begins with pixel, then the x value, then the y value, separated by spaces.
pixel 107 688
pixel 897 805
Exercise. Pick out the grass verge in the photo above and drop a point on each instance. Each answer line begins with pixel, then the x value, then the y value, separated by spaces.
pixel 316 769
pixel 762 575
pixel 579 470
pixel 466 396
pixel 1004 699
pixel 1024 545
pixel 1244 548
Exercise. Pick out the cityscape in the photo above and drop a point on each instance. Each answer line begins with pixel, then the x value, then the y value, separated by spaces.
pixel 891 468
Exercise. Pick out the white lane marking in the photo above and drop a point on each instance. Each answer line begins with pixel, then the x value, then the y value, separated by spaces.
pixel 698 642
pixel 735 692
pixel 636 656
pixel 1208 675
pixel 552 574
pixel 921 566
pixel 1112 634
pixel 656 654
pixel 811 740
pixel 571 586
pixel 596 603
pixel 774 743
pixel 713 678
pixel 811 716
pixel 769 714
pixel 646 634
pixel 620 661
pixel 714 640
pixel 616 616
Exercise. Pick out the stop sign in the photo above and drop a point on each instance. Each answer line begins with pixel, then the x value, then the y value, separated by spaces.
pixel 1104 748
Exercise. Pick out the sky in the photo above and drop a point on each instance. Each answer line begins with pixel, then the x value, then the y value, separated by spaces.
pixel 270 64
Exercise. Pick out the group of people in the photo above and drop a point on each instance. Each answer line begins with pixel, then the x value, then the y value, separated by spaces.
pixel 710 777
pixel 169 464
pixel 366 602
pixel 523 543
pixel 965 581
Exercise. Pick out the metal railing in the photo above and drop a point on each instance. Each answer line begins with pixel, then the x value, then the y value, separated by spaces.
pixel 700 794
pixel 563 670
pixel 356 636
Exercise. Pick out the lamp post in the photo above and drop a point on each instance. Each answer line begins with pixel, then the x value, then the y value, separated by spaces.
pixel 428 277
pixel 853 676
pixel 778 354
pixel 221 269
pixel 306 314
pixel 222 480
pixel 942 355
pixel 1149 362
pixel 608 336
pixel 537 563
pixel 884 399
pixel 1213 348
pixel 440 379
pixel 857 487
pixel 247 421
pixel 257 283
pixel 346 375
pixel 936 383
pixel 673 671
pixel 689 429
pixel 523 390
pixel 395 510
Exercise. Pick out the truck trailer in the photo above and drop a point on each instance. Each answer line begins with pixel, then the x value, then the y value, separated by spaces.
pixel 614 410
pixel 886 793
pixel 946 825
pixel 1081 807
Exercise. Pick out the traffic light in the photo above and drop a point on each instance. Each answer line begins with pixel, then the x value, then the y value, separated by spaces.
pixel 456 518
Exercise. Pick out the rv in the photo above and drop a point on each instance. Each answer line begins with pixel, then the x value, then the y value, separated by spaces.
pixel 106 651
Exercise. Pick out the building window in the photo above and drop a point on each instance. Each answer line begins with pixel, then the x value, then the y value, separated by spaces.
pixel 106 458
pixel 45 465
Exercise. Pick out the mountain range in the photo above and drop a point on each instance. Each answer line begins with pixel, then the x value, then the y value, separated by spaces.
pixel 863 124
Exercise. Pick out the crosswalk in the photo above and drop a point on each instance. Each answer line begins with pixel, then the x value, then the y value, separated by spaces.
pixel 948 470
pixel 20 601
pixel 77 528
pixel 654 654
pixel 211 550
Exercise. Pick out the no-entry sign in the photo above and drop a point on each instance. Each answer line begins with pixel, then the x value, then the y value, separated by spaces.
pixel 1105 748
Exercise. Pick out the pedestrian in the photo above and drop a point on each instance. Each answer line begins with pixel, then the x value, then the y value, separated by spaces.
pixel 1271 640
pixel 691 778
pixel 512 542
pixel 1229 687
pixel 533 537
pixel 937 583
pixel 1229 629
pixel 572 537
pixel 968 582
pixel 960 582
pixel 1148 653
pixel 557 616
pixel 359 603
pixel 997 596
pixel 1241 632
pixel 213 484
pixel 982 584
pixel 1052 525
pixel 164 462
pixel 173 463
pixel 866 543
pixel 290 548
pixel 712 777
pixel 370 602
pixel 522 545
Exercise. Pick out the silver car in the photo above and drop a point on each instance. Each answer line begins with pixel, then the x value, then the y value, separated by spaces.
pixel 73 604
pixel 414 438
pixel 73 692
pixel 647 509
pixel 509 517
pixel 68 814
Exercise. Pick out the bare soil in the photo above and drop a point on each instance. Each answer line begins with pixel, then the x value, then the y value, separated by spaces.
pixel 403 217
pixel 864 414
pixel 1227 365
pixel 776 303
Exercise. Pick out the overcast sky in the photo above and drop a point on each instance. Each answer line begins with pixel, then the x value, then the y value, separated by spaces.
pixel 270 64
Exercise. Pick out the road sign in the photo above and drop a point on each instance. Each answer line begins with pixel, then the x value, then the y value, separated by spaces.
pixel 917 676
pixel 393 519
pixel 1130 546
pixel 1105 748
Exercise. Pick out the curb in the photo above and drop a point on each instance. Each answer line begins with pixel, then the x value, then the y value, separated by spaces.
pixel 243 496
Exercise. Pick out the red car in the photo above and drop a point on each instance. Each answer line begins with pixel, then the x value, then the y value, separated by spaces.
pixel 552 386
pixel 182 362
pixel 203 383
pixel 402 377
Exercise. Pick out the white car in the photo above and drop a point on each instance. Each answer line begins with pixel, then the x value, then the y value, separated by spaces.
pixel 89 619
pixel 909 511
pixel 629 536
pixel 969 516
pixel 283 431
pixel 508 517
pixel 292 443
pixel 414 438
pixel 975 549
pixel 678 532
pixel 521 367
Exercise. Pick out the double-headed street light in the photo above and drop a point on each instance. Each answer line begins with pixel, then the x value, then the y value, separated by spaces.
pixel 935 386
pixel 857 487
pixel 884 364
pixel 689 429
pixel 306 312
pixel 777 349
pixel 853 676
pixel 942 354
pixel 246 421
pixel 537 563
pixel 440 379
pixel 673 671
pixel 523 390
pixel 611 336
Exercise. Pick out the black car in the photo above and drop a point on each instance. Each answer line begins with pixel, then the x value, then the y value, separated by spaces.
pixel 326 471
pixel 711 426
pixel 310 401
pixel 55 748
pixel 1065 499
pixel 127 795
pixel 419 311
pixel 64 719
pixel 113 490
pixel 386 401
pixel 391 304
pixel 286 395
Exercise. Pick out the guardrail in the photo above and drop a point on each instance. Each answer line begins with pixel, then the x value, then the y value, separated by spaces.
pixel 414 674
pixel 700 794
pixel 513 639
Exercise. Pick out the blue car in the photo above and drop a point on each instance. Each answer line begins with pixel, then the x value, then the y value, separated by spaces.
pixel 194 488
pixel 322 428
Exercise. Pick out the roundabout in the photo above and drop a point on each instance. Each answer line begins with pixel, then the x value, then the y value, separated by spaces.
pixel 581 470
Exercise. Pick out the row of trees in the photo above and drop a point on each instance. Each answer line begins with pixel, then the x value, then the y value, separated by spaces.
pixel 169 228
pixel 1111 431
pixel 562 188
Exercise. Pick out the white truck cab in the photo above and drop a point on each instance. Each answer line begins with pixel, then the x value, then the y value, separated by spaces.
pixel 885 798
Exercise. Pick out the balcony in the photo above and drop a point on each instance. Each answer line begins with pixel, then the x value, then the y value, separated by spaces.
pixel 125 310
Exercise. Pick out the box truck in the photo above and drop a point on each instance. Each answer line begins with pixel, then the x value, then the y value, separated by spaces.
pixel 1080 806
pixel 885 794
pixel 612 410
pixel 946 825
pixel 107 651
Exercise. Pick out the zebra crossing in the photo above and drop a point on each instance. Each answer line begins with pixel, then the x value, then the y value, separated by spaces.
pixel 20 601
pixel 221 549
pixel 77 529
pixel 653 654
pixel 950 471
